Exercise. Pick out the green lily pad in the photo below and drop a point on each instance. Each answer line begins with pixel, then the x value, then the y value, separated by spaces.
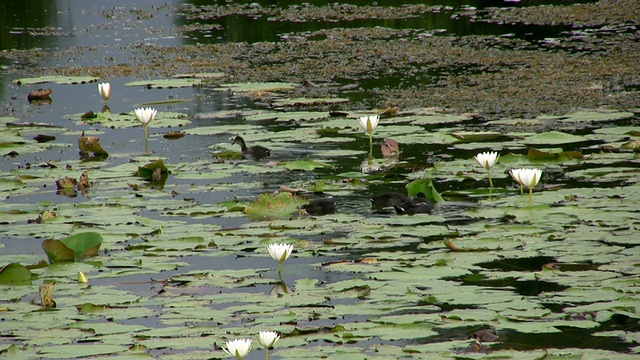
pixel 156 167
pixel 309 101
pixel 167 83
pixel 248 87
pixel 596 116
pixel 202 75
pixel 426 187
pixel 128 120
pixel 270 207
pixel 480 136
pixel 73 248
pixel 554 138
pixel 15 274
pixel 73 80
pixel 307 165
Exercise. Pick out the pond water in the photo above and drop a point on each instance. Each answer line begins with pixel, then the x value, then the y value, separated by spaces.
pixel 182 269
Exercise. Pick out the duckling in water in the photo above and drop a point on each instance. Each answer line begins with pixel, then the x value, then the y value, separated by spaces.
pixel 388 199
pixel 320 206
pixel 256 152
pixel 416 205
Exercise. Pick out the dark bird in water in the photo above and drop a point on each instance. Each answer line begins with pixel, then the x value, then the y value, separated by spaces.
pixel 388 199
pixel 257 151
pixel 416 205
pixel 320 206
pixel 487 335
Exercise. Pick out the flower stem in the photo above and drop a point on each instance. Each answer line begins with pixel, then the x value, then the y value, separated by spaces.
pixel 490 181
pixel 146 132
pixel 267 353
pixel 280 271
pixel 531 197
pixel 370 143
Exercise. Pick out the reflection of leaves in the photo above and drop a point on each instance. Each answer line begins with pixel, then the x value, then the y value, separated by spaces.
pixel 271 207
pixel 15 274
pixel 426 187
pixel 74 247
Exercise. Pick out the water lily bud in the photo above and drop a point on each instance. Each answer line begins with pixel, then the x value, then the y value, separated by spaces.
pixel 268 338
pixel 105 90
pixel 82 277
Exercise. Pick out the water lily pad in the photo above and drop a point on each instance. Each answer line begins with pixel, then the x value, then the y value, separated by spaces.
pixel 481 136
pixel 15 274
pixel 248 87
pixel 73 248
pixel 554 138
pixel 167 83
pixel 596 116
pixel 56 79
pixel 297 102
pixel 307 165
pixel 270 207
pixel 426 187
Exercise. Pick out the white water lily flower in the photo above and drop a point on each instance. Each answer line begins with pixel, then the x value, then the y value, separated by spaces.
pixel 268 338
pixel 528 178
pixel 369 123
pixel 487 159
pixel 145 115
pixel 105 90
pixel 280 252
pixel 239 348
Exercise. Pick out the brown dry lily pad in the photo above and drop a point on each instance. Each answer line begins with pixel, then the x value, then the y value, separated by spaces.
pixel 83 182
pixel 174 135
pixel 90 144
pixel 390 148
pixel 46 295
pixel 66 183
pixel 40 94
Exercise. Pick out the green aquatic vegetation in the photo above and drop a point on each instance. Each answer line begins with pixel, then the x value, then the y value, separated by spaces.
pixel 74 247
pixel 270 206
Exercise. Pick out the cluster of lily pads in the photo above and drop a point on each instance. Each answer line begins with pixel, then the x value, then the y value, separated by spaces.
pixel 391 266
